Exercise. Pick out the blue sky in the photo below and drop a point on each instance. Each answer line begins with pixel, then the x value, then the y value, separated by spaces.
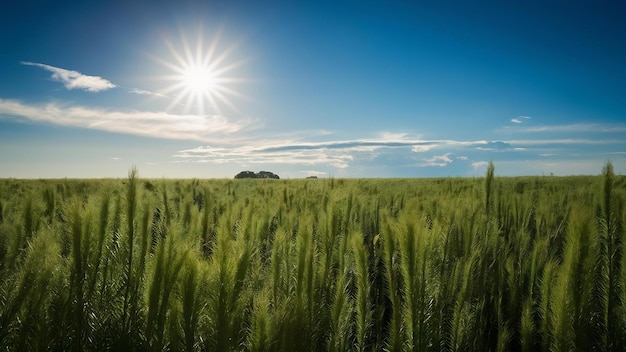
pixel 340 88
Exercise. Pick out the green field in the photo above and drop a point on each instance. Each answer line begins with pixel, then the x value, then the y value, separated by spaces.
pixel 450 264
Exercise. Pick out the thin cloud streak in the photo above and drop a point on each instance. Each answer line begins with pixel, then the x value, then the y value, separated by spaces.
pixel 339 154
pixel 572 128
pixel 342 153
pixel 250 155
pixel 520 119
pixel 210 128
pixel 232 141
pixel 314 173
pixel 357 145
pixel 564 141
pixel 74 79
pixel 147 93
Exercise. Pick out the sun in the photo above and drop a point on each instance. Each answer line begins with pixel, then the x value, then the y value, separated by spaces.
pixel 202 76
pixel 199 80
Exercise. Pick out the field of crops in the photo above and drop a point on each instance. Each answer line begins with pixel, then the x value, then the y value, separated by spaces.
pixel 451 264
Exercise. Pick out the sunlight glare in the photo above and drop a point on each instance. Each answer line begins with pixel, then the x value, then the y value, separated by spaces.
pixel 199 80
pixel 201 75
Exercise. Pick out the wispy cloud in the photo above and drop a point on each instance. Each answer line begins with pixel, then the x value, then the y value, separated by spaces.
pixel 564 141
pixel 338 158
pixel 477 165
pixel 210 128
pixel 338 154
pixel 341 154
pixel 114 158
pixel 246 142
pixel 571 128
pixel 74 79
pixel 496 146
pixel 147 93
pixel 314 173
pixel 438 160
pixel 421 148
pixel 363 145
pixel 520 119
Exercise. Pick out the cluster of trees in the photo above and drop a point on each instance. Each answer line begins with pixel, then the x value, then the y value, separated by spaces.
pixel 260 174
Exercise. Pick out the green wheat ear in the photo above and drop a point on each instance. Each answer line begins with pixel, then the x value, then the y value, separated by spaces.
pixel 396 337
pixel 489 187
pixel 362 302
pixel 527 327
pixel 260 338
pixel 131 207
pixel 192 300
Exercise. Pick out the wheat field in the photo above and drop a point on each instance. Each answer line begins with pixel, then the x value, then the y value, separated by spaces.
pixel 449 264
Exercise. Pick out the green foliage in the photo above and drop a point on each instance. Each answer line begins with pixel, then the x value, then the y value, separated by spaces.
pixel 342 265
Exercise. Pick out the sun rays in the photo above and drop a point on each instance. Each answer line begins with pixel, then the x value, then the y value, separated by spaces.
pixel 202 75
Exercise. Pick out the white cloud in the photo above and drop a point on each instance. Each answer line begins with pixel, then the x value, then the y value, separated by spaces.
pixel 571 128
pixel 339 154
pixel 241 141
pixel 338 158
pixel 439 160
pixel 520 119
pixel 209 128
pixel 476 165
pixel 564 141
pixel 494 146
pixel 314 173
pixel 422 148
pixel 75 80
pixel 114 158
pixel 342 153
pixel 147 93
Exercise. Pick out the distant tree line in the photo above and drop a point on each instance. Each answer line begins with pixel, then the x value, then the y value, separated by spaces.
pixel 260 174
